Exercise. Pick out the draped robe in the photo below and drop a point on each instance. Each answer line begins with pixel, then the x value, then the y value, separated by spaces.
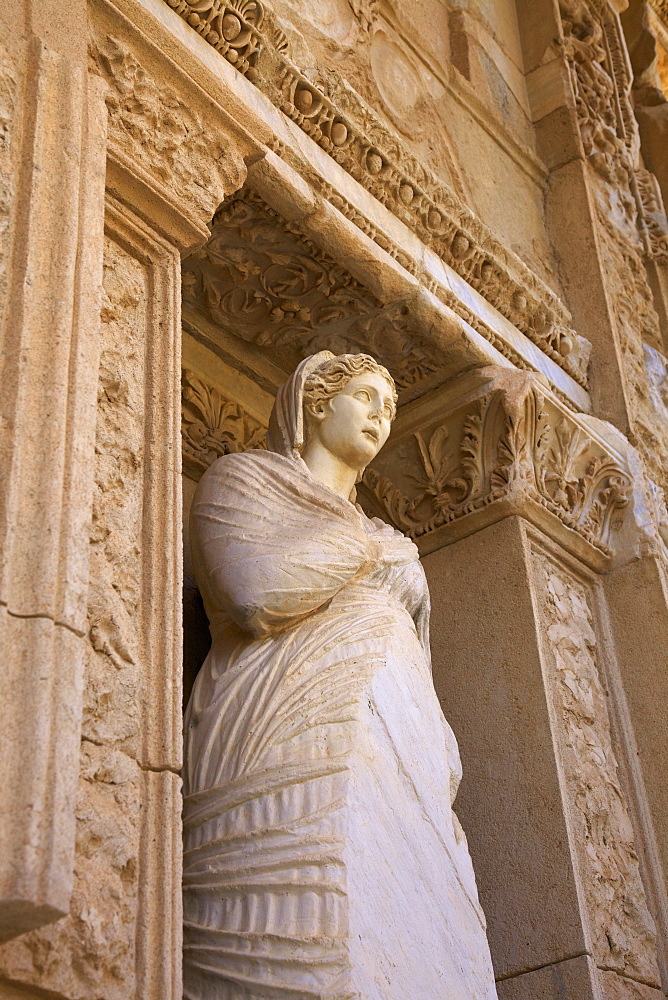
pixel 322 856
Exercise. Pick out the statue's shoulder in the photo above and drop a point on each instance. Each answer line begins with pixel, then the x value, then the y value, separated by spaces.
pixel 243 463
pixel 244 466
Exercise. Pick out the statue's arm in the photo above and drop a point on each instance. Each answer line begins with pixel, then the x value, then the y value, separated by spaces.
pixel 267 579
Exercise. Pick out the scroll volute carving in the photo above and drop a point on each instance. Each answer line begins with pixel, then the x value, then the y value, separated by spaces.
pixel 504 446
pixel 261 278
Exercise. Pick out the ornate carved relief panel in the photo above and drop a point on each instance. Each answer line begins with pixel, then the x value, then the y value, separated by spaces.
pixel 621 929
pixel 629 217
pixel 261 279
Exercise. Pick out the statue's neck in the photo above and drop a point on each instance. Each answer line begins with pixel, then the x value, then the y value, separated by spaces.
pixel 328 469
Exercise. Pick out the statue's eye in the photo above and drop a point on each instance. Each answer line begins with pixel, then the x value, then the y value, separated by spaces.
pixel 362 394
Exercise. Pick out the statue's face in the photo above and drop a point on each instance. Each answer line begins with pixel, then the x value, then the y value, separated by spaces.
pixel 355 424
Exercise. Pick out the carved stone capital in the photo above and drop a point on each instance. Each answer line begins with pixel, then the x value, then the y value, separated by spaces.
pixel 492 443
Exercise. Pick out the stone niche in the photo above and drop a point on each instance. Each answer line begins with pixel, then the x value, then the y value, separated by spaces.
pixel 257 298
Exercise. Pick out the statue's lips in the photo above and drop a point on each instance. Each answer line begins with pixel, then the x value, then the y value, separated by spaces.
pixel 372 433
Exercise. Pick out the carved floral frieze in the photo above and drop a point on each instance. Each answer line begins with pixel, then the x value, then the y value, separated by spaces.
pixel 334 115
pixel 231 27
pixel 601 82
pixel 261 279
pixel 213 425
pixel 505 445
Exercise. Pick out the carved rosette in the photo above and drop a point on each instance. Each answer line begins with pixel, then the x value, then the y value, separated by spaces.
pixel 506 446
pixel 213 425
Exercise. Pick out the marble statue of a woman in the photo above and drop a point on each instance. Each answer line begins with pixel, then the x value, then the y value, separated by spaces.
pixel 322 856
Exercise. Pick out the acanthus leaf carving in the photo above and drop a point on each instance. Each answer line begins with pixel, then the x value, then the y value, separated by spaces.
pixel 511 445
pixel 259 277
pixel 213 425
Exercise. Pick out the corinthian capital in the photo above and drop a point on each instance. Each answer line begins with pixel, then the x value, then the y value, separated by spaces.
pixel 497 442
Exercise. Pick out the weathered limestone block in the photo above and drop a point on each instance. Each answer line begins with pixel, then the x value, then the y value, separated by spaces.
pixel 159 139
pixel 113 677
pixel 93 948
pixel 9 86
pixel 91 952
pixel 52 137
pixel 525 668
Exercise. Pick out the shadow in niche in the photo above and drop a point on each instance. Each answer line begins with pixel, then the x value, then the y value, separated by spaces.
pixel 196 635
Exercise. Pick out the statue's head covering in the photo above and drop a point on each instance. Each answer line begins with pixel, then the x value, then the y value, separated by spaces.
pixel 286 423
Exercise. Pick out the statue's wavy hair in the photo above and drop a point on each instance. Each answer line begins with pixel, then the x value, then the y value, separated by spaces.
pixel 333 375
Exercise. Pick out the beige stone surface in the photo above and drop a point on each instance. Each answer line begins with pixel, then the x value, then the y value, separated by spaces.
pixel 53 135
pixel 92 951
pixel 453 185
pixel 577 978
pixel 572 977
pixel 487 673
pixel 113 678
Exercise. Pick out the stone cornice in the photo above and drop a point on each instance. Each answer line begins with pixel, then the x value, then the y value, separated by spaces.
pixel 342 124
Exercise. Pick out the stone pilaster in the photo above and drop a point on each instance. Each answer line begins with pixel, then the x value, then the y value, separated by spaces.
pixel 52 209
pixel 519 505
